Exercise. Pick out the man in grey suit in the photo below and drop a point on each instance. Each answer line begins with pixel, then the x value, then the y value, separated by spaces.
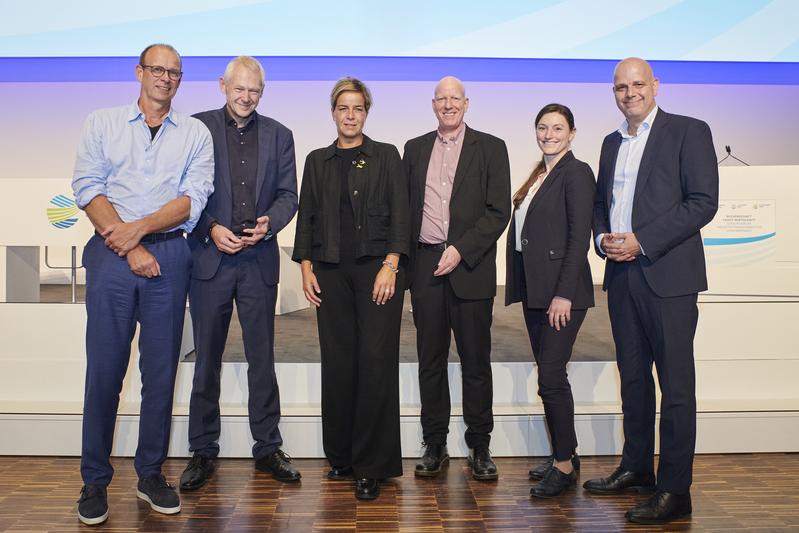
pixel 657 186
pixel 235 258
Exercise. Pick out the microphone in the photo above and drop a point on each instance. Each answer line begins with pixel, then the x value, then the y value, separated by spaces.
pixel 729 155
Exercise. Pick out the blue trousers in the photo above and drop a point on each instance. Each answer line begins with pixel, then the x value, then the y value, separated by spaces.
pixel 116 300
pixel 237 278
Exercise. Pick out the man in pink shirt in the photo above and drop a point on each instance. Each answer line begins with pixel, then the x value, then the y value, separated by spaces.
pixel 460 204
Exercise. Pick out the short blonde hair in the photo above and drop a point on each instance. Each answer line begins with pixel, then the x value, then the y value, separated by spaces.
pixel 247 62
pixel 350 84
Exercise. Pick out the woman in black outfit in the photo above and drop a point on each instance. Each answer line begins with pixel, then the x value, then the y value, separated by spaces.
pixel 352 229
pixel 548 271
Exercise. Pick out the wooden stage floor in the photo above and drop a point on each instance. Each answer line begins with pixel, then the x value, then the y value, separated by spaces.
pixel 748 492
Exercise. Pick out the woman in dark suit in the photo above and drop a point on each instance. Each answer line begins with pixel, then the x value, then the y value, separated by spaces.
pixel 548 271
pixel 352 229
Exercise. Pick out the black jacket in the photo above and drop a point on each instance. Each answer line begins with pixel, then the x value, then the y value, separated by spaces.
pixel 479 207
pixel 378 190
pixel 556 236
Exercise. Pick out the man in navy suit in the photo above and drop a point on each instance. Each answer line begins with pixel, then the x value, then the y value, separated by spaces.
pixel 235 257
pixel 657 187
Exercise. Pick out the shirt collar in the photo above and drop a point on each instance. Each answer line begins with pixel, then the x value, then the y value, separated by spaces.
pixel 367 148
pixel 645 125
pixel 230 121
pixel 455 137
pixel 135 113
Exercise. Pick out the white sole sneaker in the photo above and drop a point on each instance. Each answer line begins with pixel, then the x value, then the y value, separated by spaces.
pixel 158 508
pixel 93 521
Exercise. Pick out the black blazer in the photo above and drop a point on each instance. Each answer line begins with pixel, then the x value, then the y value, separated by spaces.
pixel 676 194
pixel 275 192
pixel 379 196
pixel 479 207
pixel 556 238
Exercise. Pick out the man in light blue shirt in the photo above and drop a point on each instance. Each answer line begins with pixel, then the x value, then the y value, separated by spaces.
pixel 143 174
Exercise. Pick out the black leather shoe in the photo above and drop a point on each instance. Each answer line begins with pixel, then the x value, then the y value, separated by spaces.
pixel 341 473
pixel 554 483
pixel 541 470
pixel 367 489
pixel 435 456
pixel 197 472
pixel 621 481
pixel 483 466
pixel 661 508
pixel 279 465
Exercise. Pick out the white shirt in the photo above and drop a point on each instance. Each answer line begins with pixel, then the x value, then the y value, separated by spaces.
pixel 521 213
pixel 625 175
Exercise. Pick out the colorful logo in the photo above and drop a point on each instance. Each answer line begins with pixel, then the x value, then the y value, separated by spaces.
pixel 62 211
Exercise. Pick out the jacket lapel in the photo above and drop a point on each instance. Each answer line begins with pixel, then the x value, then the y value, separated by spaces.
pixel 549 181
pixel 265 141
pixel 465 159
pixel 613 155
pixel 650 152
pixel 424 162
pixel 219 136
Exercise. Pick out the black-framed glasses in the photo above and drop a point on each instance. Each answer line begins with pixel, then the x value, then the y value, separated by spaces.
pixel 159 71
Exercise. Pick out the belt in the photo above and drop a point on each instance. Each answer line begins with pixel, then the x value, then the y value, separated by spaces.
pixel 438 247
pixel 152 238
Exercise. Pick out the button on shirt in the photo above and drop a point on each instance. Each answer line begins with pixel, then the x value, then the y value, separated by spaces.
pixel 117 158
pixel 625 175
pixel 438 186
pixel 242 145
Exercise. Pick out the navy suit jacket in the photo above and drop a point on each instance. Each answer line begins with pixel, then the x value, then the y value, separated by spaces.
pixel 275 191
pixel 676 194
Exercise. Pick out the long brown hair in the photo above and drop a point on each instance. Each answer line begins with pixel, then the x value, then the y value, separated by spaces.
pixel 541 167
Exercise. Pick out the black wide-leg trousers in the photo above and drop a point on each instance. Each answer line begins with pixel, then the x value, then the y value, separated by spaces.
pixel 359 342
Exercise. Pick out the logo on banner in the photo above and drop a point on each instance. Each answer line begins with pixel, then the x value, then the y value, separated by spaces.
pixel 62 211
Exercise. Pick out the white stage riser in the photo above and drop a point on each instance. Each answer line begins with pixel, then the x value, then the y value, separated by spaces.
pixel 514 436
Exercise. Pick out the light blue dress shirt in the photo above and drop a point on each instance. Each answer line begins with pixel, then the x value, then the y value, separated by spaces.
pixel 117 159
pixel 625 176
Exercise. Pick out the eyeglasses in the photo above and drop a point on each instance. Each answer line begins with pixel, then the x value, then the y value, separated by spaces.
pixel 159 71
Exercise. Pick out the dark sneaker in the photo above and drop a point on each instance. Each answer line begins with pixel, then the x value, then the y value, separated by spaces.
pixel 159 494
pixel 93 505
pixel 197 472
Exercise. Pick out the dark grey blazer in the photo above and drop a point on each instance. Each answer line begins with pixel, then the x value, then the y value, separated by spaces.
pixel 556 238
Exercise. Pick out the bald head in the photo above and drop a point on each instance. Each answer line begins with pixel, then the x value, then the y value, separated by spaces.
pixel 450 104
pixel 635 88
pixel 448 83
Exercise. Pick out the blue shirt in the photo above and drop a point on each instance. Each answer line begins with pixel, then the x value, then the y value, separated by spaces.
pixel 117 159
pixel 625 175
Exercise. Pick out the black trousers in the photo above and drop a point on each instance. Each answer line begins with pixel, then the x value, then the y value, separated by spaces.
pixel 359 341
pixel 552 349
pixel 437 312
pixel 648 328
pixel 238 278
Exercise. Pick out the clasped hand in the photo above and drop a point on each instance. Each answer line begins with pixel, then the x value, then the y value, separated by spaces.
pixel 621 247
